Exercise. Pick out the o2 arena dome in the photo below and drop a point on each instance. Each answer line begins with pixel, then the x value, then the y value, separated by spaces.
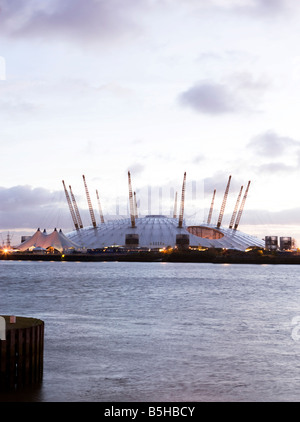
pixel 153 232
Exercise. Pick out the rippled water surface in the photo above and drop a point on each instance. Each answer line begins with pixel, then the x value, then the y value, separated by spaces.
pixel 117 331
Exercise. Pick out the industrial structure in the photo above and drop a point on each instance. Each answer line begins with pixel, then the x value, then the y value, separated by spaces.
pixel 285 243
pixel 158 231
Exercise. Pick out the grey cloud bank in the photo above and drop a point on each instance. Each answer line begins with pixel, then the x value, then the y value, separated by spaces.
pixel 238 93
pixel 72 19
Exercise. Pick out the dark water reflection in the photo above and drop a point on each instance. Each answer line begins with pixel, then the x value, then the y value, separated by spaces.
pixel 26 394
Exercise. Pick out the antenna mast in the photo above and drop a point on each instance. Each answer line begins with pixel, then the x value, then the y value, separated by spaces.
pixel 211 208
pixel 182 202
pixel 224 203
pixel 235 209
pixel 100 208
pixel 76 208
pixel 70 206
pixel 89 203
pixel 237 222
pixel 132 213
pixel 8 241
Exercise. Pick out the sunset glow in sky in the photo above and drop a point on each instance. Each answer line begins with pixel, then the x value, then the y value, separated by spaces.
pixel 157 87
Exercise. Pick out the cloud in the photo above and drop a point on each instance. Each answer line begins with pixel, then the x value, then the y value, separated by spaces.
pixel 247 82
pixel 263 7
pixel 256 9
pixel 13 109
pixel 17 198
pixel 24 209
pixel 198 159
pixel 270 144
pixel 219 182
pixel 272 168
pixel 251 8
pixel 100 20
pixel 239 92
pixel 264 217
pixel 209 98
pixel 72 19
pixel 274 154
pixel 27 207
pixel 136 169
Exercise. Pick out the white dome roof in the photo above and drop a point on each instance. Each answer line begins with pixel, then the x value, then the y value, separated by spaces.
pixel 158 231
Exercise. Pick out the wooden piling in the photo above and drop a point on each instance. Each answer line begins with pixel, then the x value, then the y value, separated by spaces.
pixel 21 354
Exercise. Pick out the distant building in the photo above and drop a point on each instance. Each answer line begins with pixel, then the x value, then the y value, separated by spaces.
pixel 271 243
pixel 24 238
pixel 286 243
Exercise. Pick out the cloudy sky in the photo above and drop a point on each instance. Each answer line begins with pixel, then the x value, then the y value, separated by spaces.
pixel 157 87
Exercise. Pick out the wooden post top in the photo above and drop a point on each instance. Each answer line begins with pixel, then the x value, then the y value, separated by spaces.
pixel 21 322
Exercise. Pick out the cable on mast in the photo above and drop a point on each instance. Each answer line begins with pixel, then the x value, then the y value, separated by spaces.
pixel 175 207
pixel 211 208
pixel 235 209
pixel 224 203
pixel 70 206
pixel 76 208
pixel 100 208
pixel 237 222
pixel 89 203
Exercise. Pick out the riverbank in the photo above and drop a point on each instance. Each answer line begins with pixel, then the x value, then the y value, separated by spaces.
pixel 214 256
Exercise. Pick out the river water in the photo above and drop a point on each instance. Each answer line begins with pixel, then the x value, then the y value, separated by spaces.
pixel 167 332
